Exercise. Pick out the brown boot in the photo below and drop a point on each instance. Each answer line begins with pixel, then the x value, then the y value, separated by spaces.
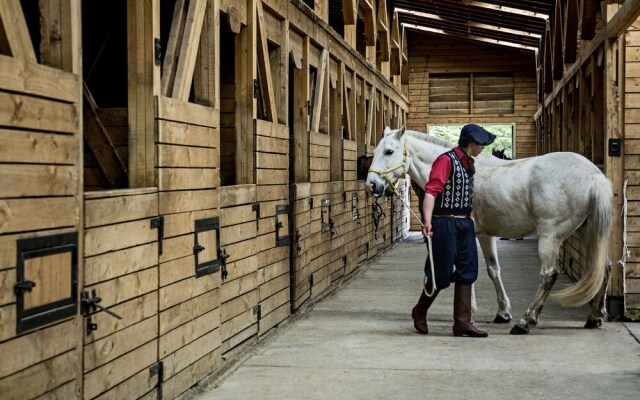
pixel 462 325
pixel 419 312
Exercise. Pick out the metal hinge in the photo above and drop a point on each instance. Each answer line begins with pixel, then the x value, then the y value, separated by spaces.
pixel 157 51
pixel 256 88
pixel 158 369
pixel 257 311
pixel 158 223
pixel 311 279
pixel 256 207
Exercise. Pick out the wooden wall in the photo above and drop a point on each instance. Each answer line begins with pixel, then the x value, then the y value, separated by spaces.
pixel 432 54
pixel 631 148
pixel 192 271
pixel 40 208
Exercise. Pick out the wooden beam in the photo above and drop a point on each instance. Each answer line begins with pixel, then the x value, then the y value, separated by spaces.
pixel 101 146
pixel 172 53
pixel 189 49
pixel 318 93
pixel 547 76
pixel 349 12
pixel 473 38
pixel 336 150
pixel 626 15
pixel 368 16
pixel 322 9
pixel 370 116
pixel 557 42
pixel 383 31
pixel 511 10
pixel 396 43
pixel 206 76
pixel 56 34
pixel 246 110
pixel 14 34
pixel 346 108
pixel 300 115
pixel 588 19
pixel 404 66
pixel 570 31
pixel 143 82
pixel 266 81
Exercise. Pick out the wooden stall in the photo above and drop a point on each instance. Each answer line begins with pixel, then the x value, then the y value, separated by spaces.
pixel 179 177
pixel 587 95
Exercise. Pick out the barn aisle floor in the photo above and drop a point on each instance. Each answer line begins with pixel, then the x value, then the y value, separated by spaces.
pixel 359 343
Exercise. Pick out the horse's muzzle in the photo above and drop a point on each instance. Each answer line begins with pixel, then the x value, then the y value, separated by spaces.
pixel 376 189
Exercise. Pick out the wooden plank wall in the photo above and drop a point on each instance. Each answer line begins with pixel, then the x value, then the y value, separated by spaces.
pixel 121 267
pixel 434 54
pixel 189 306
pixel 177 327
pixel 39 196
pixel 631 148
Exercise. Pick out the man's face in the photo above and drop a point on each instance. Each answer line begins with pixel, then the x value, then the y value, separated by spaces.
pixel 475 149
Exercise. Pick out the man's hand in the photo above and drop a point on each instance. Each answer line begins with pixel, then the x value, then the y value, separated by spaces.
pixel 426 229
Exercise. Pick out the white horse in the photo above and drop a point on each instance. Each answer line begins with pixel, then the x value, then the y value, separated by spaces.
pixel 553 195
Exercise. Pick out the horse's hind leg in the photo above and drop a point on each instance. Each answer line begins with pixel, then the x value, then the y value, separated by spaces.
pixel 548 252
pixel 598 309
pixel 490 253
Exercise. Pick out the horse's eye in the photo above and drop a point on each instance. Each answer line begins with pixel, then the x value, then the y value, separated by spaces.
pixel 388 152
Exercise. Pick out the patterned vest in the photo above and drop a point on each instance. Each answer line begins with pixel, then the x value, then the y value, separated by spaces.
pixel 457 194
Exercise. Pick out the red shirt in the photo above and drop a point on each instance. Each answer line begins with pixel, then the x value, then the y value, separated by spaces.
pixel 441 169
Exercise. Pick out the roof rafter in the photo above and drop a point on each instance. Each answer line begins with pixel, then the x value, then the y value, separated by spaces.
pixel 468 37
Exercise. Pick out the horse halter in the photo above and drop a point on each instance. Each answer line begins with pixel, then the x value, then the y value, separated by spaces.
pixel 384 173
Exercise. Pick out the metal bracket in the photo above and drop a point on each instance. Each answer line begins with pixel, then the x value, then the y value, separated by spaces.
pixel 281 240
pixel 157 51
pixel 158 223
pixel 158 369
pixel 355 214
pixel 310 202
pixel 311 279
pixel 257 311
pixel 297 240
pixel 256 207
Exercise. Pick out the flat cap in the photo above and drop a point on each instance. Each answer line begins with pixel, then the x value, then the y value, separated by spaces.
pixel 476 133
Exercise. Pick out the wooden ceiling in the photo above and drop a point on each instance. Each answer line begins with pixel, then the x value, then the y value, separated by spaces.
pixel 514 23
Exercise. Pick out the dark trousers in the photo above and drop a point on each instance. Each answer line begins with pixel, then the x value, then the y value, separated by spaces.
pixel 454 243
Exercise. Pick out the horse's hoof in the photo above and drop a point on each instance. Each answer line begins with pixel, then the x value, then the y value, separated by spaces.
pixel 502 319
pixel 593 324
pixel 518 330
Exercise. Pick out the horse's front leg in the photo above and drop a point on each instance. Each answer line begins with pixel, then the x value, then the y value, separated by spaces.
pixel 548 253
pixel 490 253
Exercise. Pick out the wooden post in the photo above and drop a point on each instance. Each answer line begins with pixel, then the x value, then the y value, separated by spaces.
pixel 206 78
pixel 336 126
pixel 614 166
pixel 301 116
pixel 143 25
pixel 246 67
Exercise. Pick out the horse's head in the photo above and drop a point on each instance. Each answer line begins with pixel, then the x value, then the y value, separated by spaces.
pixel 390 162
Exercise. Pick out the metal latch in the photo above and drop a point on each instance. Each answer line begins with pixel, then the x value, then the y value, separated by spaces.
pixel 92 303
pixel 158 223
pixel 23 286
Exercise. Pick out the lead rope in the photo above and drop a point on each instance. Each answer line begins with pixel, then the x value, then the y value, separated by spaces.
pixel 429 249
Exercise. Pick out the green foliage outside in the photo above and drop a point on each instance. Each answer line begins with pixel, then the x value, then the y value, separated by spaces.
pixel 451 133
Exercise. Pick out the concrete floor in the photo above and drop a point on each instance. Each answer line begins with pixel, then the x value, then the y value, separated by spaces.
pixel 359 343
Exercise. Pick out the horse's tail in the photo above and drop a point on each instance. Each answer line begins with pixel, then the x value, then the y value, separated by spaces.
pixel 598 228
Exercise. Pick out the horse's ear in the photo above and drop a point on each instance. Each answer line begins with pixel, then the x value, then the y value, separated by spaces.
pixel 401 131
pixel 386 131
